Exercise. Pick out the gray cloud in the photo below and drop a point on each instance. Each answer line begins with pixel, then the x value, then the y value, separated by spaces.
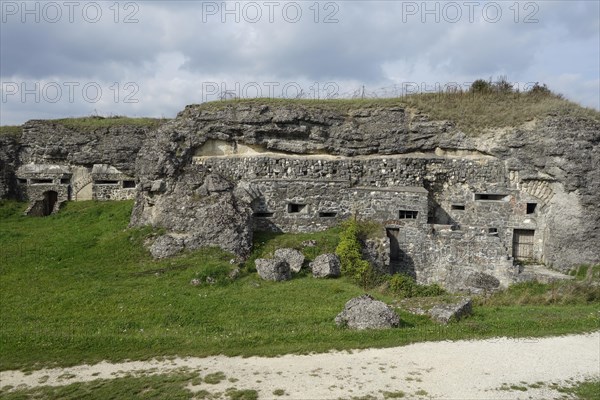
pixel 175 47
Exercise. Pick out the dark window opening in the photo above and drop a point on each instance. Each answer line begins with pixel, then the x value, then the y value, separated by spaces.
pixel 65 181
pixel 295 208
pixel 263 214
pixel 459 207
pixel 128 184
pixel 531 208
pixel 22 181
pixel 106 182
pixel 407 214
pixel 41 181
pixel 327 214
pixel 493 231
pixel 491 197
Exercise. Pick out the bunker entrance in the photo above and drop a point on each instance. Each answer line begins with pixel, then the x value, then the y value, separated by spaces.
pixel 392 234
pixel 50 199
pixel 400 260
pixel 523 244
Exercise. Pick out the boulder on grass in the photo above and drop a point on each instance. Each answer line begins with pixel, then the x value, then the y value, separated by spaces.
pixel 444 313
pixel 293 257
pixel 326 266
pixel 364 312
pixel 273 270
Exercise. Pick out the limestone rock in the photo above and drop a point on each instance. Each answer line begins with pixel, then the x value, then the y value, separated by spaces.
pixel 217 219
pixel 326 266
pixel 364 312
pixel 216 183
pixel 166 246
pixel 9 163
pixel 273 270
pixel 293 257
pixel 444 313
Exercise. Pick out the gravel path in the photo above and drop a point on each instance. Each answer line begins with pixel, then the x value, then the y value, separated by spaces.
pixel 439 370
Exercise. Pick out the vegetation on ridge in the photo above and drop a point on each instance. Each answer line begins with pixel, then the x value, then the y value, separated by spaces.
pixel 10 130
pixel 487 106
pixel 95 122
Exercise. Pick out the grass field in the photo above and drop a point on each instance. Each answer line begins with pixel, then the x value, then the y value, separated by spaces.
pixel 79 287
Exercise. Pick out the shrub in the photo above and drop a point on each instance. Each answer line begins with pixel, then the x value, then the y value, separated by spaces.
pixel 350 254
pixel 405 286
pixel 481 86
pixel 502 85
pixel 540 90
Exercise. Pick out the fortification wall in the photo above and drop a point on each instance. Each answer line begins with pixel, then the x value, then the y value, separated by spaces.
pixel 9 162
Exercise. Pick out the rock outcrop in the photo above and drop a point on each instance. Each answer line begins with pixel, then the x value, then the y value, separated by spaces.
pixel 56 142
pixel 364 312
pixel 9 163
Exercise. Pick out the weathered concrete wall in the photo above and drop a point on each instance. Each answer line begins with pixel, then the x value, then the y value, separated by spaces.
pixel 312 205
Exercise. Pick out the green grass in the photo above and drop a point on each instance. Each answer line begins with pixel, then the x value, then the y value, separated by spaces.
pixel 155 387
pixel 586 272
pixel 79 287
pixel 10 130
pixel 587 390
pixel 471 112
pixel 557 293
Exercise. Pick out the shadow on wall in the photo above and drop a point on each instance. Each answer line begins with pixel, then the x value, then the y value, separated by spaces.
pixel 261 222
pixel 438 215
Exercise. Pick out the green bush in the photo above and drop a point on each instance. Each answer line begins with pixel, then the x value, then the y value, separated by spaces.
pixel 350 254
pixel 405 286
pixel 481 86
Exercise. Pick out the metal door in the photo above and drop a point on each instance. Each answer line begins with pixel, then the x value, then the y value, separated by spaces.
pixel 523 244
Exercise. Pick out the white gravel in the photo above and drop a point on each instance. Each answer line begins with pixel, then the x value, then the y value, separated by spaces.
pixel 440 370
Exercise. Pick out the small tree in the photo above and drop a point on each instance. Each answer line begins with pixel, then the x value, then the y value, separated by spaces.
pixel 481 86
pixel 350 254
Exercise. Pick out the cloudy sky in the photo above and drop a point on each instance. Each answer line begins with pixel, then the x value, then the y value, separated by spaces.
pixel 150 58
